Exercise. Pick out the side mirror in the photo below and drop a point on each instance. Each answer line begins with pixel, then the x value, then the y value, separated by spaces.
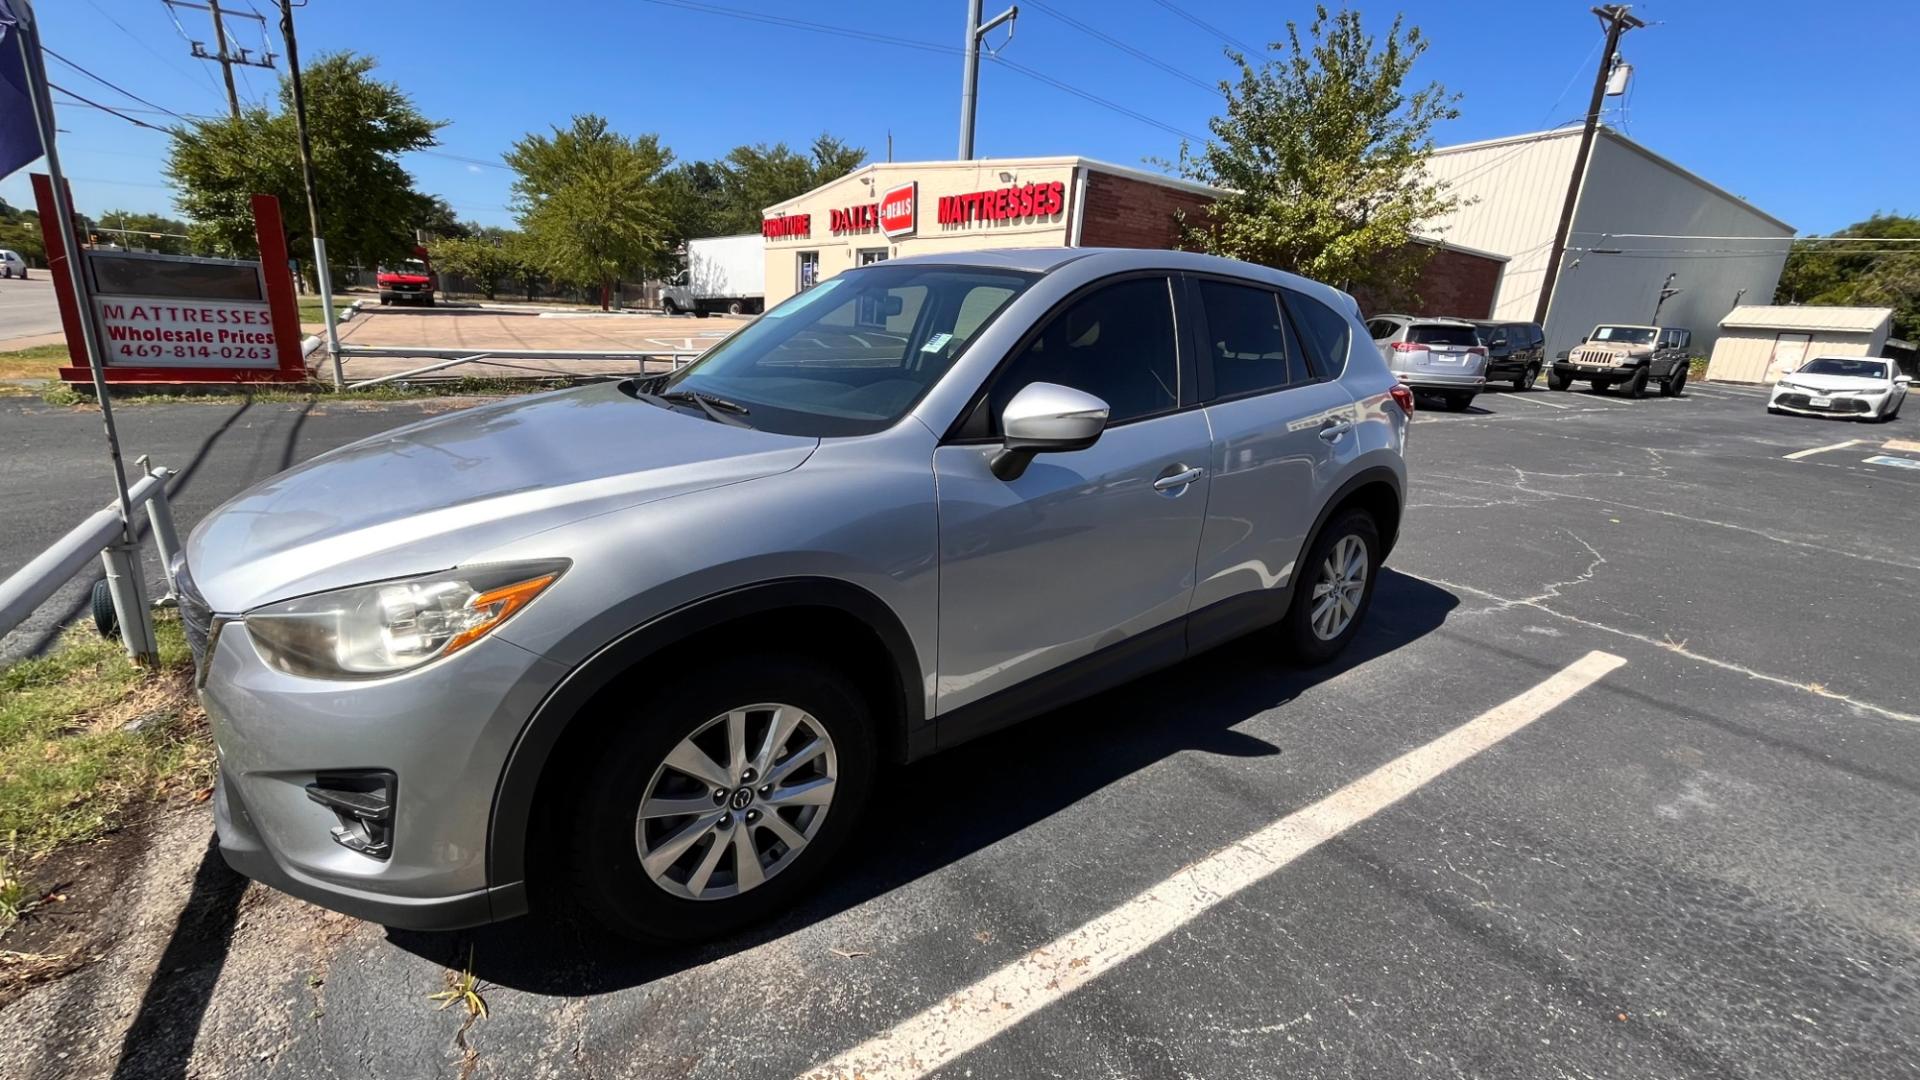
pixel 1046 418
pixel 1903 380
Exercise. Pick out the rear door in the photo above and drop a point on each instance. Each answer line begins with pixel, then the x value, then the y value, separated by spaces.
pixel 1282 426
pixel 1089 551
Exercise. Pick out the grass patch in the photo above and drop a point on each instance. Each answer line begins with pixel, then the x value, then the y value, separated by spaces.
pixel 39 362
pixel 84 734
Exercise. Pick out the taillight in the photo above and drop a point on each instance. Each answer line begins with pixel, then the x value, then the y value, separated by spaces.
pixel 1406 346
pixel 1477 350
pixel 1402 397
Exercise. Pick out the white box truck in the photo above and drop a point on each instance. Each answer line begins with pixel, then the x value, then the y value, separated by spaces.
pixel 723 273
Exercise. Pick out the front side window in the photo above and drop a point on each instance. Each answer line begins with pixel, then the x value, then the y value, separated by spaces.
pixel 1249 345
pixel 854 353
pixel 1116 343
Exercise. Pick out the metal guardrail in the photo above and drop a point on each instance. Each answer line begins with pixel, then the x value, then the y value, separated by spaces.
pixel 446 358
pixel 102 534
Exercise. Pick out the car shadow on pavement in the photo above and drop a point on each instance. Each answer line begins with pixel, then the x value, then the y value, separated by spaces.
pixel 1039 767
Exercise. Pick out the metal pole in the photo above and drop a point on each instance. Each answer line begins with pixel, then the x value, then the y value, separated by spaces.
pixel 89 331
pixel 226 65
pixel 1618 22
pixel 969 79
pixel 320 275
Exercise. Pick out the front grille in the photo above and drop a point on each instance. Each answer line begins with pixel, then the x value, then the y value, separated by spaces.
pixel 196 618
pixel 1840 405
pixel 1595 356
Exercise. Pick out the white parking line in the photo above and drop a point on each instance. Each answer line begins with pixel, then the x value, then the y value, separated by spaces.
pixel 1798 454
pixel 1538 399
pixel 933 1038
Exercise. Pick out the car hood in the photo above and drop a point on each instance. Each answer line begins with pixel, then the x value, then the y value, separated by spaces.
pixel 1835 382
pixel 440 492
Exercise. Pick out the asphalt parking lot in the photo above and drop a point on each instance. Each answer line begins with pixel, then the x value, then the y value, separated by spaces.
pixel 1622 779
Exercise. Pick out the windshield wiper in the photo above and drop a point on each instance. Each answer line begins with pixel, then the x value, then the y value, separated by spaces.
pixel 716 408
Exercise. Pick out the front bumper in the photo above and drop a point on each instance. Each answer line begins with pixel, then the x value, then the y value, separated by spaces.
pixel 1849 407
pixel 1434 380
pixel 1568 370
pixel 445 732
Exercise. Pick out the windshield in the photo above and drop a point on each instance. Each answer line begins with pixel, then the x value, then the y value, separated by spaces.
pixel 1631 335
pixel 1443 335
pixel 405 266
pixel 854 353
pixel 1836 365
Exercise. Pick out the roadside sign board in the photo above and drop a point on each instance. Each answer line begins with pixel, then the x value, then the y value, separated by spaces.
pixel 900 209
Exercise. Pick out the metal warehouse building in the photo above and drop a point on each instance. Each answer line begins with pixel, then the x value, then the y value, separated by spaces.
pixel 1760 343
pixel 1639 218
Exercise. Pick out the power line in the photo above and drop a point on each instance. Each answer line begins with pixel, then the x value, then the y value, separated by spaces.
pixel 464 158
pixel 155 53
pixel 106 109
pixel 109 85
pixel 925 46
pixel 1207 26
pixel 1124 47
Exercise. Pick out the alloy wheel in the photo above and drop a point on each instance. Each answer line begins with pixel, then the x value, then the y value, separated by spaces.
pixel 736 801
pixel 1337 591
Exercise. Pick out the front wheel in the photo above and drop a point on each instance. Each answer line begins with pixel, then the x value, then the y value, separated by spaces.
pixel 1637 386
pixel 669 307
pixel 1557 381
pixel 1335 589
pixel 717 802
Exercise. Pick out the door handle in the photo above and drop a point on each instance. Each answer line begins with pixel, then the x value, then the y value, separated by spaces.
pixel 1332 428
pixel 1179 479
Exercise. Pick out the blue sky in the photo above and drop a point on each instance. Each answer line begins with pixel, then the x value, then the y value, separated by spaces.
pixel 1807 112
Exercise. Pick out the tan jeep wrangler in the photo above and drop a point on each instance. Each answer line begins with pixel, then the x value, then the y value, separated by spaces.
pixel 1633 356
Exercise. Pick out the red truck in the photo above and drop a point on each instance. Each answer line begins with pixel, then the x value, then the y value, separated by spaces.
pixel 409 281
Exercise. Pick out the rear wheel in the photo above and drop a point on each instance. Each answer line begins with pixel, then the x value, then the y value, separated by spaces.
pixel 717 802
pixel 1334 590
pixel 1675 383
pixel 1526 379
pixel 1557 381
pixel 735 307
pixel 1457 400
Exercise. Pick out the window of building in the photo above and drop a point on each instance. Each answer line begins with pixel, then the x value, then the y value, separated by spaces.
pixel 809 275
pixel 1116 343
pixel 869 256
pixel 1249 344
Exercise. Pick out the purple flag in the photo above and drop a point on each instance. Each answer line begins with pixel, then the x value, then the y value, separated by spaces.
pixel 19 134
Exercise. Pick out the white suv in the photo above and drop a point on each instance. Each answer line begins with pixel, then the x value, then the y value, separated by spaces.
pixel 11 264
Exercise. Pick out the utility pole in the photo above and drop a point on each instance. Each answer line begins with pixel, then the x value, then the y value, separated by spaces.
pixel 1618 19
pixel 970 74
pixel 220 55
pixel 320 275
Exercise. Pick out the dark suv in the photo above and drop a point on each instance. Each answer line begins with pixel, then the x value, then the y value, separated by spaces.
pixel 1516 352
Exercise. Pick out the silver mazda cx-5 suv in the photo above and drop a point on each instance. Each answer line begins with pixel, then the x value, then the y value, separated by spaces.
pixel 645 645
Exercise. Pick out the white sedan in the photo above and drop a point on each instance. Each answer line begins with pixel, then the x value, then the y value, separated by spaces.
pixel 1856 387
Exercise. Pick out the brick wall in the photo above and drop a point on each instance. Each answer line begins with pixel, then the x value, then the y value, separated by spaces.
pixel 1457 283
pixel 1124 212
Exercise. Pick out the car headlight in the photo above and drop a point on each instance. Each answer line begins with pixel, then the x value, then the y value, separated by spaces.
pixel 369 631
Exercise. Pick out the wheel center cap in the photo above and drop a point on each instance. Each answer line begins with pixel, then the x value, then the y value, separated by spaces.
pixel 742 799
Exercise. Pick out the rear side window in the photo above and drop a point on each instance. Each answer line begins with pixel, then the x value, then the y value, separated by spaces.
pixel 1537 336
pixel 1249 344
pixel 1382 329
pixel 1442 334
pixel 1116 343
pixel 1324 331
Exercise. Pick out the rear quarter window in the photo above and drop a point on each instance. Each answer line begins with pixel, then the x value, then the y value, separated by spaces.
pixel 1325 332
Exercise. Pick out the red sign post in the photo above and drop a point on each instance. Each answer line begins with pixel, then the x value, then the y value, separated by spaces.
pixel 170 319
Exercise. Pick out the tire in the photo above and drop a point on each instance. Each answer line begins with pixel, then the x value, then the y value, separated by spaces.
pixel 629 761
pixel 701 313
pixel 1457 401
pixel 1557 381
pixel 1301 643
pixel 1674 384
pixel 1637 386
pixel 384 301
pixel 735 307
pixel 105 619
pixel 1526 379
pixel 668 306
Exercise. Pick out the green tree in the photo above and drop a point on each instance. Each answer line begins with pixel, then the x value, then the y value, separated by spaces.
pixel 1321 151
pixel 484 259
pixel 359 125
pixel 146 232
pixel 589 201
pixel 20 231
pixel 753 178
pixel 1862 273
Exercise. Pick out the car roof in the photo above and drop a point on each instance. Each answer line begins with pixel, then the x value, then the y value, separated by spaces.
pixel 1428 320
pixel 1045 260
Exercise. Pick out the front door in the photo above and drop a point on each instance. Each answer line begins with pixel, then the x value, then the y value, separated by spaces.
pixel 1090 550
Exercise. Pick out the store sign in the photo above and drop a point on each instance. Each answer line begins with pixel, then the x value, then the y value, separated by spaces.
pixel 787 227
pixel 1004 204
pixel 187 333
pixel 900 209
pixel 864 218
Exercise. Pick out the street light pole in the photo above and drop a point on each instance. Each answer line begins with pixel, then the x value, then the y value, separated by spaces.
pixel 970 73
pixel 1619 20
pixel 320 275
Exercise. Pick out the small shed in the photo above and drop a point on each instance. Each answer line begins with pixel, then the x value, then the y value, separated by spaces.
pixel 1759 343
